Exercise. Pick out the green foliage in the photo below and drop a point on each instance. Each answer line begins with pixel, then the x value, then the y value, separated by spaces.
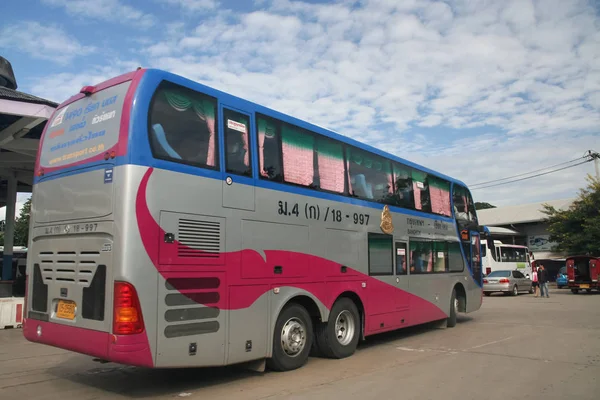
pixel 482 205
pixel 577 230
pixel 22 225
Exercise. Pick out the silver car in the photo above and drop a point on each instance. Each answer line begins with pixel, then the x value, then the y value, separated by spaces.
pixel 506 281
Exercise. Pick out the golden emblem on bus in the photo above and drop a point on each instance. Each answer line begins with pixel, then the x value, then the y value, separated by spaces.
pixel 386 221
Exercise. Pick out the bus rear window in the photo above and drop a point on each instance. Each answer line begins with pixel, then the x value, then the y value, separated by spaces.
pixel 84 128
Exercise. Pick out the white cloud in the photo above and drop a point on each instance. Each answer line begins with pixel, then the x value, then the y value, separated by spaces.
pixel 193 5
pixel 60 87
pixel 107 10
pixel 528 70
pixel 45 42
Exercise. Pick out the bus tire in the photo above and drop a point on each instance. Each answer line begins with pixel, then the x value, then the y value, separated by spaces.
pixel 338 338
pixel 292 339
pixel 451 320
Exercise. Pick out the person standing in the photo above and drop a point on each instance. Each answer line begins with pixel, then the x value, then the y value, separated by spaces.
pixel 543 281
pixel 534 281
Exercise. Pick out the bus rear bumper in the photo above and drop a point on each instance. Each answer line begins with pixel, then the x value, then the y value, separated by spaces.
pixel 129 350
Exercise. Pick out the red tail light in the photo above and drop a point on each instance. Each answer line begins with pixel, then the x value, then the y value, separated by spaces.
pixel 127 312
pixel 504 280
pixel 485 281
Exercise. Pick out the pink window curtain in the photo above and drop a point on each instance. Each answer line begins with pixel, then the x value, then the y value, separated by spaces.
pixel 330 160
pixel 417 196
pixel 264 130
pixel 390 178
pixel 440 200
pixel 349 178
pixel 205 110
pixel 298 152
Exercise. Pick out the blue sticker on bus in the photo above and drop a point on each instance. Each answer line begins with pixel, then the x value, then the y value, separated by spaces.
pixel 108 175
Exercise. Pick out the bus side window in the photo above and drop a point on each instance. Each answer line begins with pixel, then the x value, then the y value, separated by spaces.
pixel 237 143
pixel 269 149
pixel 403 185
pixel 455 258
pixel 330 162
pixel 183 126
pixel 421 257
pixel 421 191
pixel 370 176
pixel 439 194
pixel 298 152
pixel 380 254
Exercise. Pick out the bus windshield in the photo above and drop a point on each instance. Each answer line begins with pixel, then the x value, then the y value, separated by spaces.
pixel 84 129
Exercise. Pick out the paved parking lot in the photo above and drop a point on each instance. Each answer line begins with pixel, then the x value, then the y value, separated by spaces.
pixel 514 347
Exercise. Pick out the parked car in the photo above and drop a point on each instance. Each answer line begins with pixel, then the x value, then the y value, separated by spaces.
pixel 561 278
pixel 507 282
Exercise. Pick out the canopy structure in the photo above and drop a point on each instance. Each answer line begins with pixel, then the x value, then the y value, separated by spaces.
pixel 22 120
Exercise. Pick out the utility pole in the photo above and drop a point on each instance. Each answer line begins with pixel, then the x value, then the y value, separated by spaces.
pixel 596 157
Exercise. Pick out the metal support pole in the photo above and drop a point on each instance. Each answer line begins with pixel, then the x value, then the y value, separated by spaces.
pixel 597 165
pixel 9 231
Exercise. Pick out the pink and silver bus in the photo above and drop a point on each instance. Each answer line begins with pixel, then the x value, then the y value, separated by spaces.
pixel 175 225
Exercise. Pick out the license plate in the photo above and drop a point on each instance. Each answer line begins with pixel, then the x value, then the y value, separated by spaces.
pixel 584 286
pixel 65 309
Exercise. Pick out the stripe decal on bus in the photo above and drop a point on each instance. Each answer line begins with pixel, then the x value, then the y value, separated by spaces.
pixel 151 234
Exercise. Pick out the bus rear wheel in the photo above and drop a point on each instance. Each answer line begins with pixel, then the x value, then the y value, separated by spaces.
pixel 292 339
pixel 339 337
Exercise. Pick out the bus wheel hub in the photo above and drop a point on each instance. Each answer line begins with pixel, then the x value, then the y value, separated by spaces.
pixel 293 337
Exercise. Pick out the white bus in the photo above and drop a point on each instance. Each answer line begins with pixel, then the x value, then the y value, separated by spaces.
pixel 500 256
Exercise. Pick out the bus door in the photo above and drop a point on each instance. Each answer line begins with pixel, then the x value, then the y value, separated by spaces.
pixel 476 256
pixel 401 266
pixel 238 185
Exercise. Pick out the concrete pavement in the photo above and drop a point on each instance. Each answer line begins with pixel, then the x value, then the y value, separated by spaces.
pixel 514 347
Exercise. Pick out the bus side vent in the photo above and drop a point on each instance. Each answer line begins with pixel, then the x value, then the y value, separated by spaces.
pixel 199 239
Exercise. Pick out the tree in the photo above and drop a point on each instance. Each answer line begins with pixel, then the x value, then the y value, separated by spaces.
pixel 482 206
pixel 22 225
pixel 577 229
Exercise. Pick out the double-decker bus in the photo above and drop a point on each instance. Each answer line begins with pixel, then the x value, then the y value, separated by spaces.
pixel 174 225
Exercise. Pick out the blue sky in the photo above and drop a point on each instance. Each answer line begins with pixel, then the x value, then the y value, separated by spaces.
pixel 476 89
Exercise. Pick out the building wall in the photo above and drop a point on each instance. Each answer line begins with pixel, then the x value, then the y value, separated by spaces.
pixel 536 237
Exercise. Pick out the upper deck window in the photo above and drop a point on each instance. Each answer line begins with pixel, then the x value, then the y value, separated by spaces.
pixel 183 126
pixel 369 176
pixel 439 194
pixel 464 208
pixel 269 149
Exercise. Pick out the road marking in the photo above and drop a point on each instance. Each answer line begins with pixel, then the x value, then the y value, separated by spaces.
pixel 487 344
pixel 453 351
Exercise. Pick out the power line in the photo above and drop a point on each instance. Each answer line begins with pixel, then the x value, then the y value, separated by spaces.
pixel 530 172
pixel 533 176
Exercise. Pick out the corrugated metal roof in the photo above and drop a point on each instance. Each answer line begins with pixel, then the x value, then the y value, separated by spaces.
pixel 503 231
pixel 15 95
pixel 519 214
